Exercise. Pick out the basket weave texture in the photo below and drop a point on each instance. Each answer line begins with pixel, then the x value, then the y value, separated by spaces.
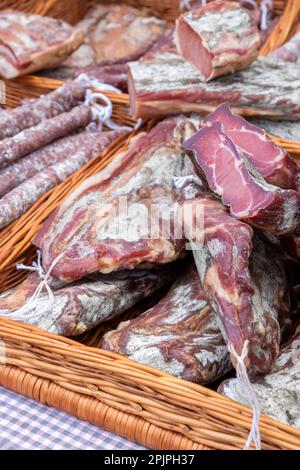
pixel 138 402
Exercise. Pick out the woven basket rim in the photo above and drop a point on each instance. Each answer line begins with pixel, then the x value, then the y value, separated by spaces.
pixel 22 338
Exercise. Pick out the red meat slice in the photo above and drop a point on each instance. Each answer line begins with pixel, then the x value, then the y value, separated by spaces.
pixel 231 176
pixel 272 162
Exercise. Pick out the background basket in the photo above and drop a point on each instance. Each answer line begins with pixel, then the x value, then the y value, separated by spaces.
pixel 138 402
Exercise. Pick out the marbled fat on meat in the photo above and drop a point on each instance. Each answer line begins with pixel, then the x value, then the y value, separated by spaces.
pixel 275 165
pixel 217 38
pixel 80 306
pixel 165 84
pixel 180 335
pixel 278 392
pixel 95 231
pixel 247 292
pixel 231 176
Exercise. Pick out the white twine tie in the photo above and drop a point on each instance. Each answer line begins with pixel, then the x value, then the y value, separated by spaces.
pixel 93 82
pixel 266 6
pixel 247 388
pixel 29 310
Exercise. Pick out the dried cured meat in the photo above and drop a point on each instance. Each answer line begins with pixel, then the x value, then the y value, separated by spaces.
pixel 115 34
pixel 275 165
pixel 278 392
pixel 217 38
pixel 247 292
pixel 94 231
pixel 165 84
pixel 180 335
pixel 248 196
pixel 80 306
pixel 21 198
pixel 31 42
pixel 29 140
pixel 87 140
pixel 32 112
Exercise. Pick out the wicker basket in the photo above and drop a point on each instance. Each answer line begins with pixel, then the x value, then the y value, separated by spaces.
pixel 138 402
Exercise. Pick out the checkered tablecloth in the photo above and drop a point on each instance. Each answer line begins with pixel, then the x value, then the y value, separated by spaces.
pixel 26 424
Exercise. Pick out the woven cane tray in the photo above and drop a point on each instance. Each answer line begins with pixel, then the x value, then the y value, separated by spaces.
pixel 140 403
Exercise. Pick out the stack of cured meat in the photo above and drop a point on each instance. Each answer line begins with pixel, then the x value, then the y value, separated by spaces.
pixel 42 143
pixel 214 61
pixel 206 207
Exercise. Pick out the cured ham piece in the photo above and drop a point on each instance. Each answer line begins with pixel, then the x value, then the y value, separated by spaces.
pixel 87 140
pixel 166 84
pixel 272 162
pixel 249 197
pixel 29 140
pixel 115 34
pixel 80 306
pixel 180 335
pixel 246 290
pixel 21 198
pixel 104 225
pixel 33 112
pixel 29 43
pixel 290 51
pixel 217 38
pixel 278 393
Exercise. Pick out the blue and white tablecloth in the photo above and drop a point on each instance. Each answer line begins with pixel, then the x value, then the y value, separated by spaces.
pixel 26 424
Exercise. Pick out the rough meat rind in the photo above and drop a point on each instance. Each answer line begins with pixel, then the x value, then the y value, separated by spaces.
pixel 96 232
pixel 275 165
pixel 180 335
pixel 166 84
pixel 31 42
pixel 246 291
pixel 81 306
pixel 278 392
pixel 21 198
pixel 230 175
pixel 29 140
pixel 217 38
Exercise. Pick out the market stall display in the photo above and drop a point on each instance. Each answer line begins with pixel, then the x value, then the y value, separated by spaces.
pixel 213 187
